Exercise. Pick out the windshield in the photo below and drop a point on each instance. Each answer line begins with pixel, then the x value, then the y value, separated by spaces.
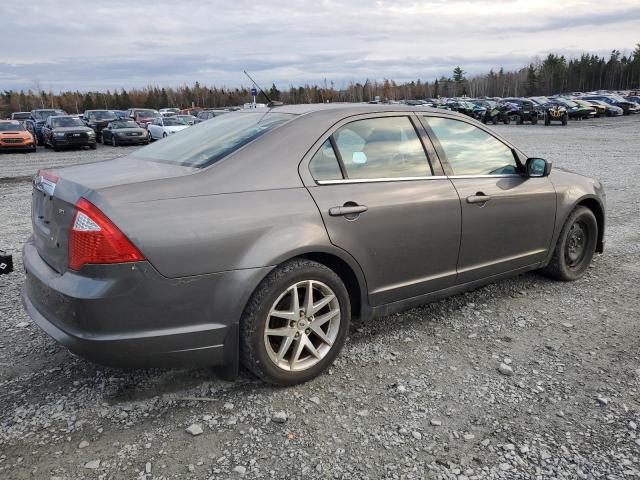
pixel 44 114
pixel 147 113
pixel 102 115
pixel 10 127
pixel 173 122
pixel 540 100
pixel 125 124
pixel 66 122
pixel 207 142
pixel 568 103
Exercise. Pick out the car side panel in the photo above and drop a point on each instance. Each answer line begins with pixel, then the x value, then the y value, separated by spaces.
pixel 206 234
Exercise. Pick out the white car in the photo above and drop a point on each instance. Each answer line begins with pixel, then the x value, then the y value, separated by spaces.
pixel 162 127
pixel 167 112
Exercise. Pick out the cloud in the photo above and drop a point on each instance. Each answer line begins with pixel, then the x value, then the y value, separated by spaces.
pixel 87 45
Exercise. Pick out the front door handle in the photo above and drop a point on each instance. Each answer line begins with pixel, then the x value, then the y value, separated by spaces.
pixel 347 210
pixel 479 198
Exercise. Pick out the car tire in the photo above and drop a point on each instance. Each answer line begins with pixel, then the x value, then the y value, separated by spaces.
pixel 259 353
pixel 547 120
pixel 114 141
pixel 534 120
pixel 507 120
pixel 494 120
pixel 55 146
pixel 93 146
pixel 565 119
pixel 575 247
pixel 164 134
pixel 520 120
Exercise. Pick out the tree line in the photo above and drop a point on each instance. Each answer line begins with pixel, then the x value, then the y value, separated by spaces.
pixel 548 76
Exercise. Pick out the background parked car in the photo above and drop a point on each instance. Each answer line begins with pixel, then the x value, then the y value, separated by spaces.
pixel 124 132
pixel 66 131
pixel 98 119
pixel 167 112
pixel 577 111
pixel 37 119
pixel 14 136
pixel 143 116
pixel 600 110
pixel 21 117
pixel 188 119
pixel 626 106
pixel 207 114
pixel 162 127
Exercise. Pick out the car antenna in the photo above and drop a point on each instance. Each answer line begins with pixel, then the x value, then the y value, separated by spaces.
pixel 271 103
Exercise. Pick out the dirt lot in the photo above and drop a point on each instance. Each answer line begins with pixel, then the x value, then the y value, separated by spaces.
pixel 414 395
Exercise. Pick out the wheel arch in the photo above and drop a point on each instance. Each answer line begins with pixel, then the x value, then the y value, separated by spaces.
pixel 344 266
pixel 598 211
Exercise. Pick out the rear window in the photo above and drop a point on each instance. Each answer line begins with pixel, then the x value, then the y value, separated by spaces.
pixel 206 143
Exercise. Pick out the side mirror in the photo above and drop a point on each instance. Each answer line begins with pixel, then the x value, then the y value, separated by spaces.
pixel 537 167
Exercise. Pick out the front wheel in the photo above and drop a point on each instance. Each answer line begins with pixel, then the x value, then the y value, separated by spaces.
pixel 295 324
pixel 575 246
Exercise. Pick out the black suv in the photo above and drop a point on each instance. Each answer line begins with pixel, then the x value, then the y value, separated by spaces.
pixel 525 110
pixel 98 119
pixel 67 131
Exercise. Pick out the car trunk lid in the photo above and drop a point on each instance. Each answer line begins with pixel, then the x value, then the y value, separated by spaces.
pixel 55 194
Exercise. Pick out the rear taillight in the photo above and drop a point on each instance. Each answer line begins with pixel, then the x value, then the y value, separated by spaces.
pixel 94 238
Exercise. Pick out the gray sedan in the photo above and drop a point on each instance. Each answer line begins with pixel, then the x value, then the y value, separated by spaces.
pixel 256 237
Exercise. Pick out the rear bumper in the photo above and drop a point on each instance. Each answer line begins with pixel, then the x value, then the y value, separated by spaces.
pixel 128 315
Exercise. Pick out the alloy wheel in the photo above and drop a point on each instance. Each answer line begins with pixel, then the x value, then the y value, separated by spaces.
pixel 302 325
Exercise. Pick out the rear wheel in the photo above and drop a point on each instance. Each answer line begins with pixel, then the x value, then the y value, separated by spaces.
pixel 295 324
pixel 164 135
pixel 575 246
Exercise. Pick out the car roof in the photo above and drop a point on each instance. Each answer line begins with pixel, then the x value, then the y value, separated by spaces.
pixel 340 109
pixel 9 122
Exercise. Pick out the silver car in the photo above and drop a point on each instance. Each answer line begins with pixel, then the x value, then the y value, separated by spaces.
pixel 257 236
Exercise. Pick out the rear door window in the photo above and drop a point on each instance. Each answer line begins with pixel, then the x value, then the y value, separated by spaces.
pixel 385 147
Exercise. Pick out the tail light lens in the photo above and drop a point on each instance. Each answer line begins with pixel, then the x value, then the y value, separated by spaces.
pixel 95 239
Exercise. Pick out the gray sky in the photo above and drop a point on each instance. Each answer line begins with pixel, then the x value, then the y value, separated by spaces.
pixel 78 44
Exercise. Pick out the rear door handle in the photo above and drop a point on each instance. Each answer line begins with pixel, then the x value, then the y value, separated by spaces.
pixel 478 198
pixel 347 210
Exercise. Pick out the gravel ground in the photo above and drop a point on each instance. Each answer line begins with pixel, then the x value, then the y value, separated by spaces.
pixel 526 378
